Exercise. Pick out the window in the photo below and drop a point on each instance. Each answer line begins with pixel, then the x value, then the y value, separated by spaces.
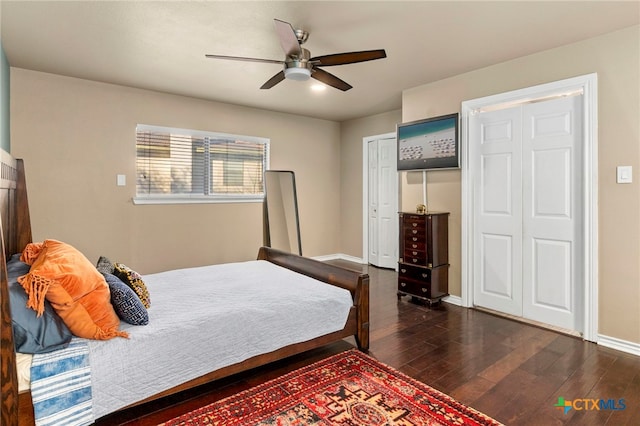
pixel 180 165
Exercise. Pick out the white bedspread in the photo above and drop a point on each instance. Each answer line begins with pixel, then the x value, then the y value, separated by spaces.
pixel 202 319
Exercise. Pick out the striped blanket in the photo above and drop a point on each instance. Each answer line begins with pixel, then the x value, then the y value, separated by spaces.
pixel 61 386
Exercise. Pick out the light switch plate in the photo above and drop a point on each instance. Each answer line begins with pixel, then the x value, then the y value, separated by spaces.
pixel 121 180
pixel 624 174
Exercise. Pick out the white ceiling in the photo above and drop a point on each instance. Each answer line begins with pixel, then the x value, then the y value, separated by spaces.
pixel 161 45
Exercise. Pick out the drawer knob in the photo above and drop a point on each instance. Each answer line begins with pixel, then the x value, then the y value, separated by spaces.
pixel 415 260
pixel 403 270
pixel 415 253
pixel 414 245
pixel 424 275
pixel 414 239
pixel 414 224
pixel 424 290
pixel 415 231
pixel 403 284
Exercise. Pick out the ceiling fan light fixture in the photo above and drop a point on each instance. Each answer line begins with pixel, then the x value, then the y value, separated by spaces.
pixel 298 74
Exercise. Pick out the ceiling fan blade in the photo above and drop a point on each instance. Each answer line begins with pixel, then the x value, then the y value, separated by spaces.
pixel 288 38
pixel 348 58
pixel 273 80
pixel 330 79
pixel 242 58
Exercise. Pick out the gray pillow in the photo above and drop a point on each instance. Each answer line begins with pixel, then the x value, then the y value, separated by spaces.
pixel 33 334
pixel 104 265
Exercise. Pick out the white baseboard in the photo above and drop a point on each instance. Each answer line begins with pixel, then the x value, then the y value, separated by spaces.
pixel 619 344
pixel 454 300
pixel 338 256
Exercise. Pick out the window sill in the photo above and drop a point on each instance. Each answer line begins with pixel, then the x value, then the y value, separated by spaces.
pixel 197 200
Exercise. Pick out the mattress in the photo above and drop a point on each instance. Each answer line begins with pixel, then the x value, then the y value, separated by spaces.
pixel 202 319
pixel 23 365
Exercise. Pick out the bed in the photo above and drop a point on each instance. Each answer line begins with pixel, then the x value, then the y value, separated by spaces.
pixel 17 406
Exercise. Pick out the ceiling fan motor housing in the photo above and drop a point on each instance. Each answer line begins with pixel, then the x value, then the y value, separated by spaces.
pixel 298 67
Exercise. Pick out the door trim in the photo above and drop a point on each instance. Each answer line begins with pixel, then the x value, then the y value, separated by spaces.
pixel 365 192
pixel 587 84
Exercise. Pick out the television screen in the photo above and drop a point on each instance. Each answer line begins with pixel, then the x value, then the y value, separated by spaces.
pixel 429 144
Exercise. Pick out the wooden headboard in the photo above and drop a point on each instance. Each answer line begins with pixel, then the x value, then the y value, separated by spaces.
pixel 15 231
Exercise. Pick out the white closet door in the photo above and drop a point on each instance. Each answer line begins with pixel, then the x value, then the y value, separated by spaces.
pixel 528 248
pixel 552 212
pixel 495 149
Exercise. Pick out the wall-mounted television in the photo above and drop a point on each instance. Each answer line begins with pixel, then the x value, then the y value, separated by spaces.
pixel 429 144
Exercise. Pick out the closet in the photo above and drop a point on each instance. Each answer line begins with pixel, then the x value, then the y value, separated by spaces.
pixel 528 210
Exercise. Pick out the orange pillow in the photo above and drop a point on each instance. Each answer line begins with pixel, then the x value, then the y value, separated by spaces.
pixel 74 287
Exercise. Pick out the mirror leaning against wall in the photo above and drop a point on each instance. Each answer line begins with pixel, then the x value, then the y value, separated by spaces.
pixel 281 222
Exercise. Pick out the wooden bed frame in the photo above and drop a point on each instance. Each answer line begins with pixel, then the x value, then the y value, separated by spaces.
pixel 16 408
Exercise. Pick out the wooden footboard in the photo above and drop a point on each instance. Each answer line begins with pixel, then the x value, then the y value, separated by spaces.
pixel 357 283
pixel 15 232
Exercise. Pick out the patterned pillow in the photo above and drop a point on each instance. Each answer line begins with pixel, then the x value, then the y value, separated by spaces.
pixel 125 302
pixel 133 280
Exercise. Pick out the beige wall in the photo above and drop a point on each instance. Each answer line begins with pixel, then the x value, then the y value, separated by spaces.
pixel 76 136
pixel 352 133
pixel 615 57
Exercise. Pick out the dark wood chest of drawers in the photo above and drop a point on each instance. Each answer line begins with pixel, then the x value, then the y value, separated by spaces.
pixel 423 269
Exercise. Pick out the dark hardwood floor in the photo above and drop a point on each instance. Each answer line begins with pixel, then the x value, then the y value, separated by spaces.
pixel 511 371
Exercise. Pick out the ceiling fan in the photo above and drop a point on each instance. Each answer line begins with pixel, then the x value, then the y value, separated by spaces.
pixel 298 63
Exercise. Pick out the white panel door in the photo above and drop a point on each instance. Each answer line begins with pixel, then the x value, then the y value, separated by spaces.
pixel 528 211
pixel 374 243
pixel 495 143
pixel 552 212
pixel 383 196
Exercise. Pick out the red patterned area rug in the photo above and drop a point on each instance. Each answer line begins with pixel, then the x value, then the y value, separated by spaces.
pixel 349 388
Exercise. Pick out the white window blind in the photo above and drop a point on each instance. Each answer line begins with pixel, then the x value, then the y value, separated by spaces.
pixel 181 165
